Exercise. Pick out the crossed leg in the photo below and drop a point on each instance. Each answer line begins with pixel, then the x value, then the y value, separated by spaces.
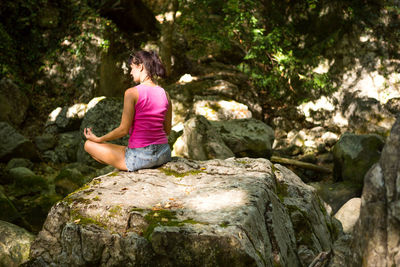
pixel 107 153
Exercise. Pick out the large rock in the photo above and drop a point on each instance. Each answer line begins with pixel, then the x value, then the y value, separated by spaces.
pixel 67 146
pixel 201 141
pixel 354 155
pixel 216 108
pixel 15 243
pixel 70 118
pixel 235 212
pixel 349 213
pixel 246 137
pixel 377 232
pixel 8 211
pixel 14 145
pixel 26 182
pixel 13 103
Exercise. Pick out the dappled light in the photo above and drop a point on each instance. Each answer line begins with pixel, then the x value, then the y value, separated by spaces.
pixel 217 200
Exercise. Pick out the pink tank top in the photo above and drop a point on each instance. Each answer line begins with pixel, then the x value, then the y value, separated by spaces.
pixel 148 123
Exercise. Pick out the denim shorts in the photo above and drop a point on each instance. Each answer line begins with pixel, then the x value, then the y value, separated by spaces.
pixel 147 157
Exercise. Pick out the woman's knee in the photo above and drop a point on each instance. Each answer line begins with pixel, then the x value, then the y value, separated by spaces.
pixel 88 146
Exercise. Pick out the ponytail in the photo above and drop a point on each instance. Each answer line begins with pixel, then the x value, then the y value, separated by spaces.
pixel 151 62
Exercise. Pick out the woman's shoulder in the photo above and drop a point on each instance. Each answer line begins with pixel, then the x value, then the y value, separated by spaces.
pixel 132 92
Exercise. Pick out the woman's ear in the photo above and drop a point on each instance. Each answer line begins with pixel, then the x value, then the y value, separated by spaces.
pixel 141 67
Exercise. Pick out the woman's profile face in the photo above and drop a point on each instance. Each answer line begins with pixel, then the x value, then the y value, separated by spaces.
pixel 135 72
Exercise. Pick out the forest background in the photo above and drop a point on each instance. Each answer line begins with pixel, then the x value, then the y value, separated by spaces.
pixel 64 52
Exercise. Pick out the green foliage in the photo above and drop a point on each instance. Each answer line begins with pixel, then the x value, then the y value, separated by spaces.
pixel 284 41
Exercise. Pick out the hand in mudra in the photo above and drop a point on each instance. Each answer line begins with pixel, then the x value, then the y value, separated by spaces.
pixel 90 135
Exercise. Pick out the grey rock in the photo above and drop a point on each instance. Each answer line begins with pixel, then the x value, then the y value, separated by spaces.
pixel 377 232
pixel 201 141
pixel 348 214
pixel 15 145
pixel 13 103
pixel 50 156
pixel 45 142
pixel 68 180
pixel 8 211
pixel 336 194
pixel 342 251
pixel 234 212
pixel 15 243
pixel 246 137
pixel 70 118
pixel 67 146
pixel 366 115
pixel 354 155
pixel 216 108
pixel 393 105
pixel 19 162
pixel 26 181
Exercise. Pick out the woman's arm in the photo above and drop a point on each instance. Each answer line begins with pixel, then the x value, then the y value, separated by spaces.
pixel 168 116
pixel 130 99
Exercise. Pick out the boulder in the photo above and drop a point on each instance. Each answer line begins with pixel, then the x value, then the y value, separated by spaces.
pixel 393 105
pixel 19 162
pixel 349 213
pixel 377 232
pixel 215 108
pixel 15 243
pixel 353 155
pixel 26 182
pixel 234 212
pixel 201 141
pixel 13 103
pixel 45 141
pixel 366 114
pixel 67 146
pixel 68 180
pixel 336 194
pixel 8 211
pixel 15 145
pixel 70 118
pixel 246 137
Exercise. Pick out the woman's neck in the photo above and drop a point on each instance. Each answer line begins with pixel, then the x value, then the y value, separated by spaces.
pixel 148 81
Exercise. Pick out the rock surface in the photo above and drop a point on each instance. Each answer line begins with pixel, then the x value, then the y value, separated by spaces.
pixel 377 232
pixel 354 155
pixel 14 145
pixel 348 214
pixel 246 137
pixel 13 103
pixel 201 141
pixel 15 243
pixel 240 212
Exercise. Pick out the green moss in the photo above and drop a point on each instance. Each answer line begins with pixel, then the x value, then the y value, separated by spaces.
pixel 113 174
pixel 137 209
pixel 170 172
pixel 96 198
pixel 224 224
pixel 281 190
pixel 242 161
pixel 261 257
pixel 156 218
pixel 115 210
pixel 82 220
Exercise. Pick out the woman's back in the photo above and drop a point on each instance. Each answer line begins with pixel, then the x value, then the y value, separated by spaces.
pixel 148 123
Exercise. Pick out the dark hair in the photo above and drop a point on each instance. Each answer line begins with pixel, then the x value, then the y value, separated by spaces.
pixel 151 62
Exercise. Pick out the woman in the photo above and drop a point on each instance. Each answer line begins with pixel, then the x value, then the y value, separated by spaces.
pixel 146 117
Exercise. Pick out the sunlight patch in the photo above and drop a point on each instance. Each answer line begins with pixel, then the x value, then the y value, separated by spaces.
pixel 218 200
